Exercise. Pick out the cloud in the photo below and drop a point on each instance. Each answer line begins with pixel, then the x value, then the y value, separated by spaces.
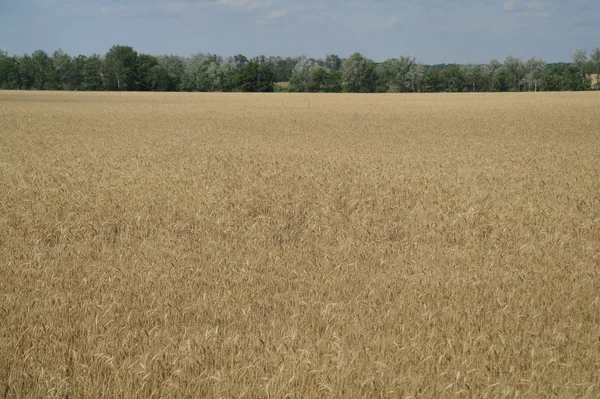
pixel 533 8
pixel 510 5
pixel 275 14
pixel 114 9
pixel 174 7
pixel 389 23
pixel 535 5
pixel 245 5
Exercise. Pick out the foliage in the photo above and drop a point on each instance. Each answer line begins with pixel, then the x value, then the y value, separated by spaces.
pixel 254 77
pixel 124 69
pixel 359 74
pixel 121 67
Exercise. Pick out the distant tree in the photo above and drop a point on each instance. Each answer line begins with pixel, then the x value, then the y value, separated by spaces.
pixel 43 70
pixel 9 72
pixel 213 77
pixel 572 79
pixel 551 81
pixel 359 74
pixel 452 79
pixel 93 75
pixel 167 73
pixel 534 70
pixel 318 80
pixel 261 59
pixel 415 77
pixel 76 72
pixel 431 81
pixel 282 67
pixel 473 76
pixel 595 56
pixel 26 72
pixel 121 63
pixel 501 80
pixel 195 68
pixel 403 74
pixel 192 70
pixel 122 68
pixel 333 62
pixel 240 60
pixel 62 70
pixel 489 73
pixel 254 77
pixel 145 65
pixel 227 73
pixel 302 73
pixel 515 70
pixel 580 63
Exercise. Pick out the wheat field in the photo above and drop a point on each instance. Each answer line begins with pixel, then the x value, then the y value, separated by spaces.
pixel 291 245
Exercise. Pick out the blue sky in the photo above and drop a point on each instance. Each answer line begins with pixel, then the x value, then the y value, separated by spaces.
pixel 434 31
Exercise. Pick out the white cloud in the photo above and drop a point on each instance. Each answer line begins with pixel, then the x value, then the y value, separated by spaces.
pixel 114 9
pixel 174 6
pixel 535 5
pixel 275 14
pixel 531 8
pixel 510 5
pixel 246 5
pixel 389 23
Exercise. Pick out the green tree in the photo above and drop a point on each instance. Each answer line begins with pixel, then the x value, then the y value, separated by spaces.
pixel 335 81
pixel 43 70
pixel 572 79
pixel 10 75
pixel 301 74
pixel 431 81
pixel 167 74
pixel 26 72
pixel 333 62
pixel 501 80
pixel 145 64
pixel 489 73
pixel 318 81
pixel 227 73
pixel 403 74
pixel 210 78
pixel 282 67
pixel 595 56
pixel 515 70
pixel 93 77
pixel 580 64
pixel 62 70
pixel 77 72
pixel 121 64
pixel 195 67
pixel 359 74
pixel 473 77
pixel 240 60
pixel 254 77
pixel 551 81
pixel 452 79
pixel 534 70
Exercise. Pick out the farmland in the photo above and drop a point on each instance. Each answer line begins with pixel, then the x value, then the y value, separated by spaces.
pixel 272 245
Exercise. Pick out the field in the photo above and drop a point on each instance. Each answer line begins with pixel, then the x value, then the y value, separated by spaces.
pixel 248 245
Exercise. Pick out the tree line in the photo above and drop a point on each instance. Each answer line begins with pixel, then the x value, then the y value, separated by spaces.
pixel 124 69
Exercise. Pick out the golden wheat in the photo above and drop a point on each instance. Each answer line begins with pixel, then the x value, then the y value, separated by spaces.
pixel 241 245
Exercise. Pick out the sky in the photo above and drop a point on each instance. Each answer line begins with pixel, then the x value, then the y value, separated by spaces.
pixel 433 31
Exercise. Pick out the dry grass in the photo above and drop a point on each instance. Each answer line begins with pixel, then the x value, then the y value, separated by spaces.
pixel 239 245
